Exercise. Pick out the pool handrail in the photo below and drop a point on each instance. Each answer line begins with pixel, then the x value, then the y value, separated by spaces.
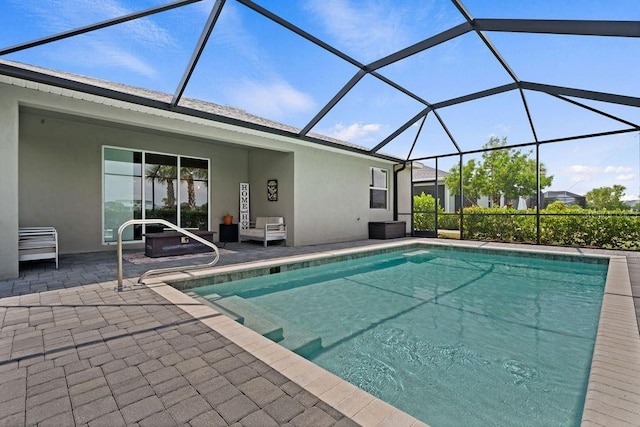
pixel 168 269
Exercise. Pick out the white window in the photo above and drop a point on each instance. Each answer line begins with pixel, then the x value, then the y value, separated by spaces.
pixel 145 185
pixel 378 188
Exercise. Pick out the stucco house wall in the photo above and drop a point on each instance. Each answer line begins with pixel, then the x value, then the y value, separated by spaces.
pixel 60 174
pixel 332 196
pixel 323 194
pixel 8 189
pixel 263 166
pixel 51 143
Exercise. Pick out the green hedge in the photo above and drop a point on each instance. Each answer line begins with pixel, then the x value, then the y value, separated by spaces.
pixel 558 226
pixel 503 224
pixel 196 218
pixel 424 217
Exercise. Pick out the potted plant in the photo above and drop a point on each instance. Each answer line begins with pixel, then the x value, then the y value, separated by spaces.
pixel 227 218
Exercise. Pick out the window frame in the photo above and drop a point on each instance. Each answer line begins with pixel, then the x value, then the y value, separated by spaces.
pixel 143 188
pixel 373 187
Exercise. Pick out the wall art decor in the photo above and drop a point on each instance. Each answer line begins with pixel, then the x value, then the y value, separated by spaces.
pixel 272 190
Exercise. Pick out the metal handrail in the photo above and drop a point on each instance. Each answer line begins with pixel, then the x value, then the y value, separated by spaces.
pixel 169 269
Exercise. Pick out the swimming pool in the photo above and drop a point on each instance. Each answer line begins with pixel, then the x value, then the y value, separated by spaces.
pixel 450 337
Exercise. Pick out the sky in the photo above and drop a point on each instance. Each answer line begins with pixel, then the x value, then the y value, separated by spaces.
pixel 257 65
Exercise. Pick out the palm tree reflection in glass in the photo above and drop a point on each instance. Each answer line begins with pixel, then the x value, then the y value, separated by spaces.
pixel 166 176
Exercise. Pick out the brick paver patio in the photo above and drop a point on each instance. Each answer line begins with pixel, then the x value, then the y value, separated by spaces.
pixel 75 352
pixel 92 356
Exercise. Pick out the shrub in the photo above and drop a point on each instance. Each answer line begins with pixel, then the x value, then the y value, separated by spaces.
pixel 501 224
pixel 424 208
pixel 448 221
pixel 559 225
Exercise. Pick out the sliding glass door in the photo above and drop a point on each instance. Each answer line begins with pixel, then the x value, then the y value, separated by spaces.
pixel 160 180
pixel 122 193
pixel 194 193
pixel 174 188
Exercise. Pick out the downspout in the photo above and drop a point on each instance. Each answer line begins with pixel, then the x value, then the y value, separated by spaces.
pixel 395 189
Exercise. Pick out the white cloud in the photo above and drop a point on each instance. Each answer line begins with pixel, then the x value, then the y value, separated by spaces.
pixel 592 170
pixel 502 131
pixel 113 56
pixel 627 177
pixel 581 169
pixel 115 46
pixel 585 177
pixel 579 178
pixel 231 32
pixel 205 6
pixel 354 132
pixel 617 169
pixel 276 100
pixel 373 31
pixel 502 128
pixel 143 31
pixel 63 15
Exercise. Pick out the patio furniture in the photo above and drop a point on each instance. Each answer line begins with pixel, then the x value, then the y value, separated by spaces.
pixel 228 233
pixel 387 229
pixel 173 243
pixel 35 243
pixel 266 229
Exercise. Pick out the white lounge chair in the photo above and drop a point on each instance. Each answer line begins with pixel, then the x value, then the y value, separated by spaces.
pixel 266 229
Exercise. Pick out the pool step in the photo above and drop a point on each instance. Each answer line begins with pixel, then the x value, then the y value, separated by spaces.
pixel 419 256
pixel 293 337
pixel 210 301
pixel 211 297
pixel 262 326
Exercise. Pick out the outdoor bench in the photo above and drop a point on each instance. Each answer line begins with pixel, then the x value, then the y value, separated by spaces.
pixel 36 243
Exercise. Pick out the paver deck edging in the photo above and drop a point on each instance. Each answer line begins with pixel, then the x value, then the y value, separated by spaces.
pixel 360 406
pixel 613 394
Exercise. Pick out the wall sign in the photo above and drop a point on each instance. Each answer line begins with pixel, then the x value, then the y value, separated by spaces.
pixel 245 219
pixel 272 190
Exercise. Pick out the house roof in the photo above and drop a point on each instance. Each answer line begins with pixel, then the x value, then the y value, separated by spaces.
pixel 189 106
pixel 427 173
pixel 550 194
pixel 499 39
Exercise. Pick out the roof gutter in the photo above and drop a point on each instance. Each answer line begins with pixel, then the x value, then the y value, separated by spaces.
pixel 395 188
pixel 65 83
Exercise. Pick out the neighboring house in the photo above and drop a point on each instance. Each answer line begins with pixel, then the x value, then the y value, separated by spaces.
pixel 424 178
pixel 633 204
pixel 76 154
pixel 566 197
pixel 424 181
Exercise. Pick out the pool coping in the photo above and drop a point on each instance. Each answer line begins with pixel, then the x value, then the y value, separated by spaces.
pixel 613 391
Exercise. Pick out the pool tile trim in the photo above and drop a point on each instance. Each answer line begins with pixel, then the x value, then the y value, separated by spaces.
pixel 217 275
pixel 333 390
pixel 613 391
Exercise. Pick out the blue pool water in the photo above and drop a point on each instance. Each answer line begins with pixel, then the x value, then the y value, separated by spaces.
pixel 452 338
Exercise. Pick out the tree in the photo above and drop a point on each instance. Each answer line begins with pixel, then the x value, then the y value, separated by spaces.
pixel 501 172
pixel 163 174
pixel 606 198
pixel 473 181
pixel 188 174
